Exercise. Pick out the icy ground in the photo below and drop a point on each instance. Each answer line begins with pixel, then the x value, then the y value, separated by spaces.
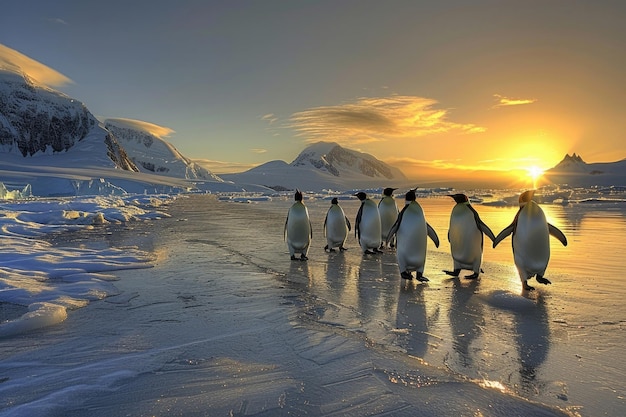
pixel 225 324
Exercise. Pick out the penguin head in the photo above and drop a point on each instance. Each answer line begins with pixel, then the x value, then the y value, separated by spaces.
pixel 334 201
pixel 410 196
pixel 389 191
pixel 526 197
pixel 298 195
pixel 361 195
pixel 460 198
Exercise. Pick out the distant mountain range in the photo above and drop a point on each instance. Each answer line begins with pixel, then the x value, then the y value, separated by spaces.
pixel 54 138
pixel 52 144
pixel 575 172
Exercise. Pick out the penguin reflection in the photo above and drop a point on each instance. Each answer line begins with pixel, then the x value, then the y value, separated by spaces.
pixel 411 315
pixel 370 288
pixel 466 319
pixel 533 343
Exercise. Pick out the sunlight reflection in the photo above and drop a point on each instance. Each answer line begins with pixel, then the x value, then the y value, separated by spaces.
pixel 485 383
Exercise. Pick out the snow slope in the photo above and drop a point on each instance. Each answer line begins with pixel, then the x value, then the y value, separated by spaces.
pixel 153 154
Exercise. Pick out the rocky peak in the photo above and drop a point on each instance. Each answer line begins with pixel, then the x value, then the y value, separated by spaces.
pixel 34 118
pixel 338 161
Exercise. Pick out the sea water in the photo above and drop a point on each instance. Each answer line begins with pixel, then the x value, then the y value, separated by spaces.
pixel 226 323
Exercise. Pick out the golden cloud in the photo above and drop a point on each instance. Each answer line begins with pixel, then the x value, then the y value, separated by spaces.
pixel 376 119
pixel 155 130
pixel 506 101
pixel 15 61
pixel 270 118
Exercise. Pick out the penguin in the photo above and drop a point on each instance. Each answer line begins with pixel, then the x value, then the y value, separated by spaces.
pixel 367 225
pixel 388 214
pixel 465 235
pixel 531 240
pixel 336 227
pixel 411 231
pixel 298 231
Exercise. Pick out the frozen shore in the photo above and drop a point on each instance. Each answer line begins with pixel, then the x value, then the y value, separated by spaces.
pixel 223 323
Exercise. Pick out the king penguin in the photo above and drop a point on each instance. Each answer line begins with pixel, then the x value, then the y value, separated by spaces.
pixel 465 235
pixel 298 230
pixel 531 240
pixel 336 227
pixel 388 214
pixel 367 225
pixel 411 231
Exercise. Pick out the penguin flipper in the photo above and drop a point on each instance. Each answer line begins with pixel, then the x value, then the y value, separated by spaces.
pixel 396 226
pixel 481 225
pixel 348 224
pixel 486 230
pixel 503 234
pixel 432 234
pixel 285 229
pixel 325 220
pixel 392 232
pixel 554 231
pixel 357 222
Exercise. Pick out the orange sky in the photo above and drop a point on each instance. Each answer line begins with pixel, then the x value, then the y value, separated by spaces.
pixel 477 86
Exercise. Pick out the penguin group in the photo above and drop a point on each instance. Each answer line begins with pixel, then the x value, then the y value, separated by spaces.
pixel 381 225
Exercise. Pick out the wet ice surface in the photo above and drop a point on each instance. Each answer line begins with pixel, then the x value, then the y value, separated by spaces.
pixel 225 324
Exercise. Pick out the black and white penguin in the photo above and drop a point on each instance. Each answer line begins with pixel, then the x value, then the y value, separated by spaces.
pixel 298 230
pixel 388 213
pixel 466 237
pixel 336 227
pixel 531 240
pixel 411 231
pixel 367 225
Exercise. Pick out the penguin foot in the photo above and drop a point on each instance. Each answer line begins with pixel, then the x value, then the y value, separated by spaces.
pixel 293 258
pixel 543 280
pixel 331 250
pixel 406 275
pixel 369 252
pixel 327 248
pixel 454 273
pixel 303 257
pixel 473 276
pixel 377 251
pixel 420 277
pixel 527 287
pixel 341 248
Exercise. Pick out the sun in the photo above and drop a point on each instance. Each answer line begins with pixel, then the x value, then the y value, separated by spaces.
pixel 534 172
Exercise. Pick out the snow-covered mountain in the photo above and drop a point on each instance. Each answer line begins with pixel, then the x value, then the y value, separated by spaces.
pixel 52 145
pixel 575 172
pixel 323 165
pixel 151 153
pixel 36 120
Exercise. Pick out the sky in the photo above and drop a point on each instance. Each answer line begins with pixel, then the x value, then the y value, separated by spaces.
pixel 437 89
